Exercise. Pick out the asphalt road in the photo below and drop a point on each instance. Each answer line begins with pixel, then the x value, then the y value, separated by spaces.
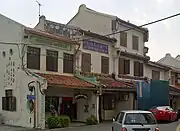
pixel 100 127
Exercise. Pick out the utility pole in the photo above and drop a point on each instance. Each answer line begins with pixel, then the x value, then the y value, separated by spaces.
pixel 39 4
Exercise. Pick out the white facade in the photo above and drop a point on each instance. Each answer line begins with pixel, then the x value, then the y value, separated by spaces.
pixel 164 73
pixel 101 23
pixel 96 56
pixel 12 33
pixel 170 61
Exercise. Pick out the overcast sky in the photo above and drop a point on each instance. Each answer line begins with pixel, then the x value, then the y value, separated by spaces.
pixel 164 36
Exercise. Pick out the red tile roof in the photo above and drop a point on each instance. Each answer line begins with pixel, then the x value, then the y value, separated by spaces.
pixel 109 82
pixel 65 81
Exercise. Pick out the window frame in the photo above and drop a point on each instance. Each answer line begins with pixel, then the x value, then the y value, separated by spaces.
pixel 9 102
pixel 138 71
pixel 125 67
pixel 68 63
pixel 85 62
pixel 154 74
pixel 51 61
pixel 109 99
pixel 104 65
pixel 33 59
pixel 123 39
pixel 135 42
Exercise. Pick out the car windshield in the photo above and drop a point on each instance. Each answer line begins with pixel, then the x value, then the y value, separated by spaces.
pixel 139 118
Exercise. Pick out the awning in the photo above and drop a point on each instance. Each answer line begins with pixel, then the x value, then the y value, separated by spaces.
pixel 65 81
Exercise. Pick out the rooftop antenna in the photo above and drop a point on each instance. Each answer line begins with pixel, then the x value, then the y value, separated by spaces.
pixel 39 4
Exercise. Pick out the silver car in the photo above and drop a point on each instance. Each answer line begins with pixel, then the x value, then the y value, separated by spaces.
pixel 135 121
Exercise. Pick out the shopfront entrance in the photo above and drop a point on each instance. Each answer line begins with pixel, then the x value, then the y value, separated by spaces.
pixel 62 106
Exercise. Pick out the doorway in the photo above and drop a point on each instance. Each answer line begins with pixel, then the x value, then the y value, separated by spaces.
pixel 68 108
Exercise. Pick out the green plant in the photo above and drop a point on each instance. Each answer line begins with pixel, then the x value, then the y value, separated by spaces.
pixel 92 120
pixel 64 121
pixel 53 122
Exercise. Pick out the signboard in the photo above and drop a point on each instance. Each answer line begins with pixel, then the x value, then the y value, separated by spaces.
pixel 94 46
pixel 30 97
pixel 40 40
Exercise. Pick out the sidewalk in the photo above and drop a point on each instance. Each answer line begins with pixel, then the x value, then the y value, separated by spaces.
pixel 13 128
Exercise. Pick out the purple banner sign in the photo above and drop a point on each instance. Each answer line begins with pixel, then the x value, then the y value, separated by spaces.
pixel 94 46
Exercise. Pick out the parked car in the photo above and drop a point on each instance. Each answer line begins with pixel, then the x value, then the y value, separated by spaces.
pixel 135 121
pixel 164 113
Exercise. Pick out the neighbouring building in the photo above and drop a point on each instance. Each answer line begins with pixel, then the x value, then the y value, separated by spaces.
pixel 130 46
pixel 94 62
pixel 174 78
pixel 156 71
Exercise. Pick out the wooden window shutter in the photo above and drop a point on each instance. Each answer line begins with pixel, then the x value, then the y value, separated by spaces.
pixel 135 42
pixel 136 68
pixel 123 39
pixel 86 62
pixel 13 102
pixel 33 57
pixel 126 66
pixel 121 65
pixel 68 63
pixel 155 75
pixel 141 69
pixel 51 60
pixel 104 65
pixel 4 106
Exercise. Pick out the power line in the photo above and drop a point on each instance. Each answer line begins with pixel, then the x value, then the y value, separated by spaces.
pixel 150 23
pixel 153 22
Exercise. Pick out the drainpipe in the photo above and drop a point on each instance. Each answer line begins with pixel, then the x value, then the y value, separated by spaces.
pixel 74 59
pixel 114 63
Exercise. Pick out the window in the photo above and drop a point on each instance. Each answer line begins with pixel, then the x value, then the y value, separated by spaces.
pixel 33 58
pixel 155 75
pixel 119 117
pixel 9 101
pixel 86 62
pixel 104 65
pixel 138 69
pixel 124 66
pixel 123 39
pixel 68 63
pixel 135 42
pixel 109 101
pixel 51 60
pixel 139 118
pixel 172 81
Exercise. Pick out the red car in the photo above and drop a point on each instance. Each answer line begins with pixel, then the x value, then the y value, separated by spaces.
pixel 164 113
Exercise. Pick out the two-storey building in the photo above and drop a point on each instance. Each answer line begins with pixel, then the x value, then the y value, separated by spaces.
pixel 94 63
pixel 174 78
pixel 36 74
pixel 129 47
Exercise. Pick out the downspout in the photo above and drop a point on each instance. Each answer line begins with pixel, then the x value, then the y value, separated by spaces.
pixel 114 63
pixel 29 73
pixel 74 59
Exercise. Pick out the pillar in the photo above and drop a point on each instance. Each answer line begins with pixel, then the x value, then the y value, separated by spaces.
pixel 40 111
pixel 95 106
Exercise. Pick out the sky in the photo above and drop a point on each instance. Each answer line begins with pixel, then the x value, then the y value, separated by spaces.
pixel 164 37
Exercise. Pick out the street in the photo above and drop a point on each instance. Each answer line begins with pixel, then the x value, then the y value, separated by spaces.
pixel 100 127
